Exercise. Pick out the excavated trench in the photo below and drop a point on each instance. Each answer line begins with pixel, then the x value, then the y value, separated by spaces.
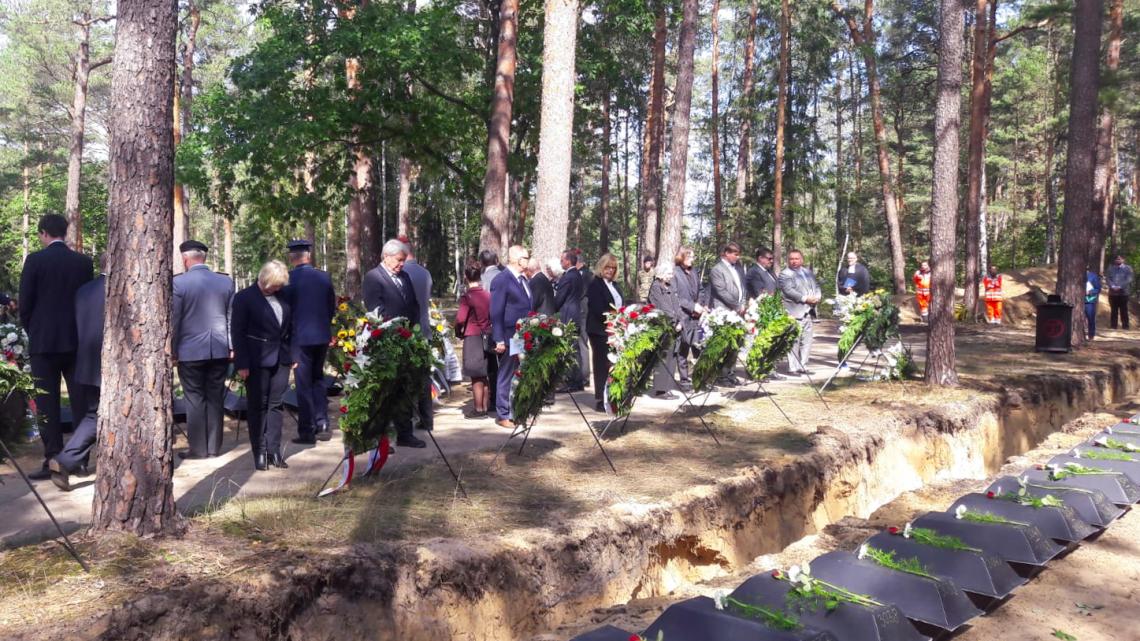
pixel 522 586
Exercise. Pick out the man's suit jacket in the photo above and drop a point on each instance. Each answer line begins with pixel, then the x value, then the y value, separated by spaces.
pixel 48 284
pixel 861 278
pixel 543 294
pixel 258 339
pixel 90 301
pixel 600 302
pixel 201 302
pixel 421 282
pixel 311 295
pixel 759 281
pixel 795 288
pixel 388 301
pixel 509 303
pixel 725 292
pixel 489 274
pixel 568 295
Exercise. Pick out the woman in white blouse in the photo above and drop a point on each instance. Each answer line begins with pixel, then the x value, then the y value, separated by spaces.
pixel 603 296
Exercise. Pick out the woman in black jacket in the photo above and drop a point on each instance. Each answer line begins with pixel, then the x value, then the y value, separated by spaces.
pixel 602 296
pixel 663 296
pixel 260 331
pixel 687 284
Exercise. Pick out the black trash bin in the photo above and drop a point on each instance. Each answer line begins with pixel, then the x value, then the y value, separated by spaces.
pixel 1054 326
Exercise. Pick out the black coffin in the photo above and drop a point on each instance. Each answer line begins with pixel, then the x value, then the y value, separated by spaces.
pixel 1115 487
pixel 698 619
pixel 1012 543
pixel 1130 436
pixel 1091 506
pixel 1126 429
pixel 1127 468
pixel 975 572
pixel 848 621
pixel 607 633
pixel 935 602
pixel 1057 523
pixel 1084 450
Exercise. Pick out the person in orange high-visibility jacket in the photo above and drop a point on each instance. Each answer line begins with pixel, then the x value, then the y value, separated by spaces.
pixel 992 285
pixel 922 290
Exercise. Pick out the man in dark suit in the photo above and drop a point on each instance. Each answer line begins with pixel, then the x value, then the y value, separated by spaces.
pixel 48 285
pixel 421 283
pixel 541 288
pixel 312 299
pixel 90 301
pixel 200 342
pixel 568 301
pixel 760 279
pixel 389 293
pixel 511 300
pixel 583 339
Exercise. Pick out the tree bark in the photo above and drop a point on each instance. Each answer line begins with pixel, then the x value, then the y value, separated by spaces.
pixel 718 216
pixel 864 41
pixel 1075 231
pixel 407 173
pixel 25 219
pixel 604 201
pixel 494 234
pixel 228 242
pixel 940 360
pixel 975 188
pixel 1103 177
pixel 362 243
pixel 841 207
pixel 181 220
pixel 552 203
pixel 673 223
pixel 781 109
pixel 133 484
pixel 78 126
pixel 650 179
pixel 183 100
pixel 744 151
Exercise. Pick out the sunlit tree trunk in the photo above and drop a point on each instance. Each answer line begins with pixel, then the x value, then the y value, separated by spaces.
pixel 718 219
pixel 495 216
pixel 83 69
pixel 650 179
pixel 134 491
pixel 1103 176
pixel 940 349
pixel 975 185
pixel 781 109
pixel 407 171
pixel 673 223
pixel 604 200
pixel 744 150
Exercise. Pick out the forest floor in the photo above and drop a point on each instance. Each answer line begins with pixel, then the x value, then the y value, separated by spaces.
pixel 250 529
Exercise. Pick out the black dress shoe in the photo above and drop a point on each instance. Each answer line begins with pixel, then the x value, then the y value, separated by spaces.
pixel 276 460
pixel 600 406
pixel 666 395
pixel 59 475
pixel 187 455
pixel 425 427
pixel 324 433
pixel 410 441
pixel 259 461
pixel 41 474
pixel 305 440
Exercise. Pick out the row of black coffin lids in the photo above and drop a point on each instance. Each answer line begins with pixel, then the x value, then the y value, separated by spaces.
pixel 917 608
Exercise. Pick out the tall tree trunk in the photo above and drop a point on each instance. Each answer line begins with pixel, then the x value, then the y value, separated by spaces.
pixel 495 217
pixel 940 349
pixel 183 103
pixel 650 179
pixel 75 148
pixel 228 242
pixel 744 150
pixel 975 185
pixel 181 220
pixel 1085 82
pixel 841 207
pixel 627 268
pixel 864 41
pixel 1103 177
pixel 604 204
pixel 134 491
pixel 987 102
pixel 673 222
pixel 781 109
pixel 1050 156
pixel 552 204
pixel 403 203
pixel 25 219
pixel 362 242
pixel 718 220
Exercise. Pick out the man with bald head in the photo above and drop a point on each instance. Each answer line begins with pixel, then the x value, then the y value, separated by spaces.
pixel 511 300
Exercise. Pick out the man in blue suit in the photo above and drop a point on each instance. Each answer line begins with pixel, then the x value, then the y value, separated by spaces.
pixel 312 300
pixel 89 303
pixel 568 302
pixel 421 283
pixel 510 301
pixel 1092 296
pixel 200 341
pixel 48 284
pixel 389 293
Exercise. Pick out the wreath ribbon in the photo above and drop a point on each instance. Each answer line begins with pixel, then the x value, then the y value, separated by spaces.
pixel 346 478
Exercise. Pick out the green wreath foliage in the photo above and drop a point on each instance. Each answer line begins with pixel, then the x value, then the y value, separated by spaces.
pixel 875 317
pixel 549 349
pixel 776 334
pixel 16 387
pixel 632 372
pixel 387 365
pixel 718 352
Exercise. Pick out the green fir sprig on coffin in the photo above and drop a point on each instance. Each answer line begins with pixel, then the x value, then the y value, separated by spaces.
pixel 886 558
pixel 1100 454
pixel 775 335
pixel 724 334
pixel 810 593
pixel 548 353
pixel 927 536
pixel 388 362
pixel 1070 469
pixel 639 337
pixel 1023 497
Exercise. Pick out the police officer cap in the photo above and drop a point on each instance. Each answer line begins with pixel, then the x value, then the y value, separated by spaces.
pixel 299 244
pixel 193 245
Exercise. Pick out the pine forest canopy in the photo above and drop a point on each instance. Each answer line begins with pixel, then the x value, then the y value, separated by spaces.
pixel 350 122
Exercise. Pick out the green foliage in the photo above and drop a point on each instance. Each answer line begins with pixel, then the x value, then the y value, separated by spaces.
pixel 777 334
pixel 872 316
pixel 550 348
pixel 637 352
pixel 1075 469
pixel 16 386
pixel 1105 455
pixel 933 538
pixel 719 351
pixel 1021 497
pixel 773 618
pixel 887 559
pixel 984 517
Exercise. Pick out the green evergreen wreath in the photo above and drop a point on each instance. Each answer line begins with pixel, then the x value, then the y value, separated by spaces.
pixel 636 353
pixel 720 349
pixel 872 315
pixel 777 334
pixel 548 353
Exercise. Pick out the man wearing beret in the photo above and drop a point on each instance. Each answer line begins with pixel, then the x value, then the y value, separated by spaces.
pixel 201 347
pixel 312 300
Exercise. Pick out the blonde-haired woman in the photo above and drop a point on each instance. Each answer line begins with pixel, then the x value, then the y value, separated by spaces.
pixel 260 331
pixel 603 296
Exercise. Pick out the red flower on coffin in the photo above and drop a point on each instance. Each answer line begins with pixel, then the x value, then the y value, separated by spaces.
pixel 776 574
pixel 893 530
pixel 990 495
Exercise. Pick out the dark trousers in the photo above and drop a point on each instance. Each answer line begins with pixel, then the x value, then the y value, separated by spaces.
pixel 493 377
pixel 663 375
pixel 266 387
pixel 574 378
pixel 48 369
pixel 79 446
pixel 204 385
pixel 426 407
pixel 599 349
pixel 1119 306
pixel 1090 316
pixel 507 366
pixel 684 349
pixel 312 395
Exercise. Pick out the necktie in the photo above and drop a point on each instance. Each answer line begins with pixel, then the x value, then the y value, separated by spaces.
pixel 522 281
